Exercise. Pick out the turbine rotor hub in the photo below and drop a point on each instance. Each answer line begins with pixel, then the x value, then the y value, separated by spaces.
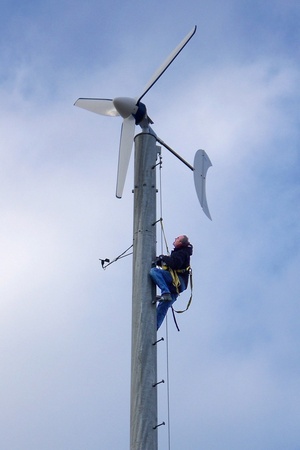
pixel 125 106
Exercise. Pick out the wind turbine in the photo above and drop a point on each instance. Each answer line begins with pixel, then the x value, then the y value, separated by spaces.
pixel 143 420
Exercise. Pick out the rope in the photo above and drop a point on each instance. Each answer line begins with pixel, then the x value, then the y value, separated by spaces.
pixel 163 240
pixel 168 384
pixel 163 234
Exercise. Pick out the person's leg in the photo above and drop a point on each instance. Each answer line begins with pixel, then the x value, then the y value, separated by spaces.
pixel 162 309
pixel 163 279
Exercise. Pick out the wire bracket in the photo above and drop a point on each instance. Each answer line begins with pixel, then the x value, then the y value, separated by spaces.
pixel 157 383
pixel 159 340
pixel 159 425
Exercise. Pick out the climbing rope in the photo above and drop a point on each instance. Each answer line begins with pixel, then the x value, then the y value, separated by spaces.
pixel 176 282
pixel 168 384
pixel 163 241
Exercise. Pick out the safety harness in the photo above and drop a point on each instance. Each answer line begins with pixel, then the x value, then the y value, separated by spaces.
pixel 176 283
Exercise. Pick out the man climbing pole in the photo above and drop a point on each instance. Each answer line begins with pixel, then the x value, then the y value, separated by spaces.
pixel 172 275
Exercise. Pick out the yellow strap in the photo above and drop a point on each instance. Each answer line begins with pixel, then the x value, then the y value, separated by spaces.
pixel 183 270
pixel 175 278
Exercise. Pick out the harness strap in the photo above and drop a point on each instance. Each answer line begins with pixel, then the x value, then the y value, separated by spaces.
pixel 183 270
pixel 176 283
pixel 175 278
pixel 174 318
pixel 174 274
pixel 190 300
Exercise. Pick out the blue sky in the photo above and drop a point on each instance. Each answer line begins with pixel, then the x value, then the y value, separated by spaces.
pixel 65 323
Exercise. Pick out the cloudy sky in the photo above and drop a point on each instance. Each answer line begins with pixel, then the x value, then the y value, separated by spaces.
pixel 65 323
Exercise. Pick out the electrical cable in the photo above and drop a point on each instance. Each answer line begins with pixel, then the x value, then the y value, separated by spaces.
pixel 122 255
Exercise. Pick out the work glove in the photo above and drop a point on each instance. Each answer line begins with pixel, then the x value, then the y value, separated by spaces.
pixel 159 260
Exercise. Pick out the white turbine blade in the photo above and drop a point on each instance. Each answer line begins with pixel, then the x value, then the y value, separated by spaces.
pixel 168 61
pixel 201 165
pixel 103 106
pixel 126 141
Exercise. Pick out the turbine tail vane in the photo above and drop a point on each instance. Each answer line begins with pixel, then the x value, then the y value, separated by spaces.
pixel 201 165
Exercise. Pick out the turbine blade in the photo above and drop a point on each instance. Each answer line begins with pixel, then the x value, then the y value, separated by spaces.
pixel 167 62
pixel 126 141
pixel 103 106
